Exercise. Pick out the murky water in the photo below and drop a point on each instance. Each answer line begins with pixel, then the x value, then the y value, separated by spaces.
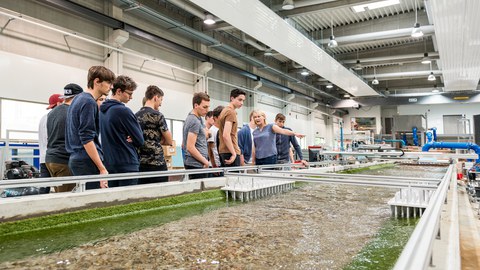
pixel 316 226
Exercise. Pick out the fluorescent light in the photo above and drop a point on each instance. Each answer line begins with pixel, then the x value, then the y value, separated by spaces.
pixel 209 19
pixel 304 72
pixel 329 86
pixel 288 5
pixel 375 5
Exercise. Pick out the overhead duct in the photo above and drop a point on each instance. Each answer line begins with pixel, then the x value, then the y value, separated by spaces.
pixel 274 32
pixel 457 37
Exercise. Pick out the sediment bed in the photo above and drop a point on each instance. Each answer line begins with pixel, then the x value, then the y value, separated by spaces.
pixel 313 227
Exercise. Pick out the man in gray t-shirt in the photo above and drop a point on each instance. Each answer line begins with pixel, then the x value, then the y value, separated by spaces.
pixel 194 136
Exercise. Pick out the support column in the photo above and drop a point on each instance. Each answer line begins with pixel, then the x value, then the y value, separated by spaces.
pixel 113 59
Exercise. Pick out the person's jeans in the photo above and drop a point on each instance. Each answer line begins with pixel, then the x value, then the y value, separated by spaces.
pixel 44 173
pixel 226 156
pixel 121 183
pixel 84 167
pixel 266 161
pixel 197 175
pixel 152 168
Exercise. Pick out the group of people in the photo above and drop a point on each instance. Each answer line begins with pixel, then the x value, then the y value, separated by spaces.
pixel 87 134
pixel 218 144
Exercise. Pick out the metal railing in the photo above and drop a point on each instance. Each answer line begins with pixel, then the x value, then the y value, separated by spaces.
pixel 417 253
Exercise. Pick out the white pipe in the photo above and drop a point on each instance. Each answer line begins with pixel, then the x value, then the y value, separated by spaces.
pixel 391 57
pixel 403 74
pixel 397 33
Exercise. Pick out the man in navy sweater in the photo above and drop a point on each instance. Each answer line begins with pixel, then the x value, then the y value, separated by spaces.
pixel 81 133
pixel 284 154
pixel 121 133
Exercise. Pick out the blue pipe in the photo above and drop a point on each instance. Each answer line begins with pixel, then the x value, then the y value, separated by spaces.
pixel 341 137
pixel 415 136
pixel 404 137
pixel 434 130
pixel 453 145
pixel 400 141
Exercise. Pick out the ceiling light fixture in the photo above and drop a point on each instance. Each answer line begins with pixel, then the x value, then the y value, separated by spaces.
pixel 329 85
pixel 288 5
pixel 426 60
pixel 304 72
pixel 346 96
pixel 332 43
pixel 416 31
pixel 209 19
pixel 435 89
pixel 358 66
pixel 375 81
pixel 268 52
pixel 375 5
pixel 431 77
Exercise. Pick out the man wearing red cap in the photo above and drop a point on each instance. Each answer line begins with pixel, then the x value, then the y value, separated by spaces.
pixel 53 101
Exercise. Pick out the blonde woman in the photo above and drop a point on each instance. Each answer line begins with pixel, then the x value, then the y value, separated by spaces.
pixel 265 148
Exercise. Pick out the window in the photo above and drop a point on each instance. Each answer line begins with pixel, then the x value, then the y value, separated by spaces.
pixel 21 115
pixel 176 127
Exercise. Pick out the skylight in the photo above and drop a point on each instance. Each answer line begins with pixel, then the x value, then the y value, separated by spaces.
pixel 375 5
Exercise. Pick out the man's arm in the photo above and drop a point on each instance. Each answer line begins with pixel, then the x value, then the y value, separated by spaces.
pixel 191 139
pixel 211 146
pixel 227 129
pixel 167 138
pixel 93 154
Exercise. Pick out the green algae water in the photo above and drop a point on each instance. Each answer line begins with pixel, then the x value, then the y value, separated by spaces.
pixel 43 235
pixel 384 249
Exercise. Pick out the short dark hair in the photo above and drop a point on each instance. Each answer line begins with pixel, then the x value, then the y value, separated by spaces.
pixel 123 83
pixel 237 92
pixel 100 72
pixel 218 110
pixel 280 116
pixel 198 97
pixel 209 114
pixel 153 91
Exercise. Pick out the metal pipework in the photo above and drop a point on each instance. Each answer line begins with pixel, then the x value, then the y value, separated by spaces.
pixel 453 145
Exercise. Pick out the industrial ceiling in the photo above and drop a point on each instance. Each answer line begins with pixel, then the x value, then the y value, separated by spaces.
pixel 376 56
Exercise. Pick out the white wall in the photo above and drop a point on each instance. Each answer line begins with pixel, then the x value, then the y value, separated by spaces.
pixel 436 112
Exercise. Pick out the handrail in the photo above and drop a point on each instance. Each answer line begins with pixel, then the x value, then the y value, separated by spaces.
pixel 418 250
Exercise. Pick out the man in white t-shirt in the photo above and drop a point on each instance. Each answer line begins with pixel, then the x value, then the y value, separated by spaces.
pixel 212 140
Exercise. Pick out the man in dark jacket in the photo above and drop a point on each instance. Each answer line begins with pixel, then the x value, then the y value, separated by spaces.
pixel 81 133
pixel 57 156
pixel 284 154
pixel 120 132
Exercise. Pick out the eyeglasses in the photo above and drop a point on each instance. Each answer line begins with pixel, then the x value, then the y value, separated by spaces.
pixel 128 93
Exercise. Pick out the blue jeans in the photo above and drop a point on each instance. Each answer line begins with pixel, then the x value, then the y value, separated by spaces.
pixel 84 167
pixel 266 161
pixel 152 168
pixel 122 183
pixel 197 175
